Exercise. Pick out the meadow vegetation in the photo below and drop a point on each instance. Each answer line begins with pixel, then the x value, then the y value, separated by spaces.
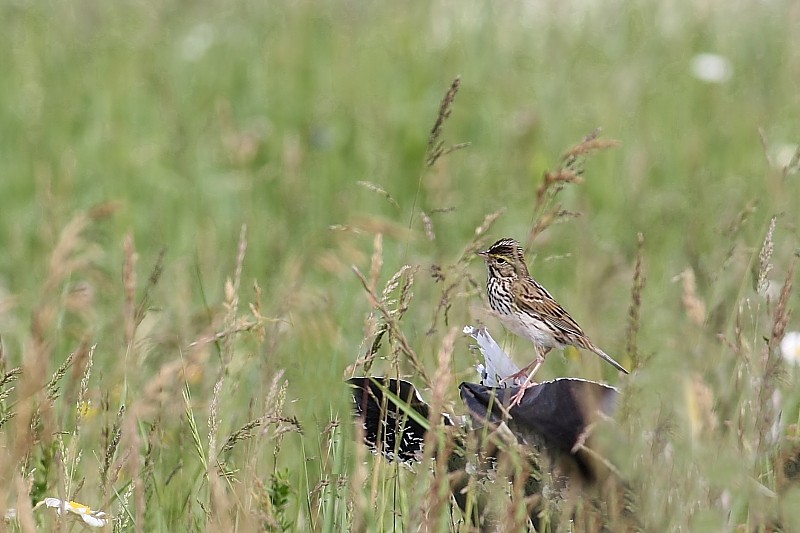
pixel 210 212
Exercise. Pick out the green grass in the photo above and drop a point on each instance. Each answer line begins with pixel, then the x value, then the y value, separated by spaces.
pixel 178 124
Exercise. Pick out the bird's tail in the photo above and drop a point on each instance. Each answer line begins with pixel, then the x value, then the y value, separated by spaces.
pixel 608 359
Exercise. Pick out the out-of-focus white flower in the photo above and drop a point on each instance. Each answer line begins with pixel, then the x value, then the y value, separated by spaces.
pixel 90 517
pixel 781 155
pixel 712 68
pixel 790 347
pixel 196 43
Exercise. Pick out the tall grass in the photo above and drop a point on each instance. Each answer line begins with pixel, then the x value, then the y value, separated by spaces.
pixel 210 217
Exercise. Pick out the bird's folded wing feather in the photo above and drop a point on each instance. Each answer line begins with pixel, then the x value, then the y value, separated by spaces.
pixel 534 298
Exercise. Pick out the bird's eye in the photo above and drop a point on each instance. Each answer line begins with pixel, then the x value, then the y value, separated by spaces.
pixel 500 261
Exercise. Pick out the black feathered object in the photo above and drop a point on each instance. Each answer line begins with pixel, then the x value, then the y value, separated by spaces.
pixel 553 415
pixel 389 428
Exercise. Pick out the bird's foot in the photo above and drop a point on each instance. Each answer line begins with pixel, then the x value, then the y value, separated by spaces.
pixel 517 398
pixel 528 383
pixel 519 376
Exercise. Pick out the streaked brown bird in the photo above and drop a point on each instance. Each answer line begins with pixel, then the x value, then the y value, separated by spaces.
pixel 525 307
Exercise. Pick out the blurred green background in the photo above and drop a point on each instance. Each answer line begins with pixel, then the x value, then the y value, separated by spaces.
pixel 193 119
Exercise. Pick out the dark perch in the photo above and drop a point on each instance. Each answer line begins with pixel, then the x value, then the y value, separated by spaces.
pixel 552 418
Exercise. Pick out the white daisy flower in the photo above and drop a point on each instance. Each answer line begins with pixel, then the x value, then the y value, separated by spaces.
pixel 790 347
pixel 90 517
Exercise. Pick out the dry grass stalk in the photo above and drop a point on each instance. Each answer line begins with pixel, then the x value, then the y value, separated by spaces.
pixel 52 390
pixel 552 216
pixel 280 401
pixel 358 482
pixel 437 442
pixel 133 464
pixel 64 259
pixel 373 328
pixel 741 219
pixel 276 396
pixel 435 143
pixel 154 443
pixel 111 438
pixel 694 305
pixel 783 312
pixel 242 434
pixel 455 147
pixel 6 379
pixel 404 300
pixel 514 466
pixel 570 158
pixel 443 379
pixel 699 399
pixel 738 331
pixel 23 505
pixel 71 455
pixel 454 276
pixel 164 388
pixel 215 469
pixel 71 253
pixel 273 412
pixel 589 145
pixel 770 359
pixel 245 433
pixel 427 223
pixel 82 354
pixel 129 287
pixel 391 316
pixel 480 231
pixel 219 503
pixel 555 179
pixel 260 330
pixel 83 390
pixel 152 281
pixel 635 307
pixel 9 376
pixel 376 262
pixel 570 170
pixel 232 295
pixel 378 190
pixel 243 325
pixel 764 259
pixel 734 228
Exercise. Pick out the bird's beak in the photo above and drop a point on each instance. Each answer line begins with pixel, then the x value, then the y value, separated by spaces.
pixel 483 254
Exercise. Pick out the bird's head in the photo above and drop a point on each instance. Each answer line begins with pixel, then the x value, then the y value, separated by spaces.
pixel 505 259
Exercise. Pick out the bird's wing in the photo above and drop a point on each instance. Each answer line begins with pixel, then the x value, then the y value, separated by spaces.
pixel 533 297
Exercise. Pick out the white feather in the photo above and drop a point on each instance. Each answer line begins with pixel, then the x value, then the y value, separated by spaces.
pixel 497 365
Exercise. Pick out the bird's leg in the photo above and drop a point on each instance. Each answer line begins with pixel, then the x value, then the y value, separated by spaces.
pixel 521 373
pixel 528 383
pixel 526 372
